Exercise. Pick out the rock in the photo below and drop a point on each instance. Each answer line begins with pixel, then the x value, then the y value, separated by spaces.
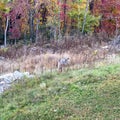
pixel 116 41
pixel 105 47
pixel 115 44
pixel 3 86
pixel 2 58
pixel 7 79
pixel 2 46
pixel 43 85
pixel 1 89
pixel 26 73
pixel 18 75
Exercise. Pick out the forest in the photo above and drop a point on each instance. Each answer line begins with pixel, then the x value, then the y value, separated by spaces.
pixel 42 21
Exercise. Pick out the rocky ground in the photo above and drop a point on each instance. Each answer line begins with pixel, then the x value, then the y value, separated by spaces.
pixel 6 80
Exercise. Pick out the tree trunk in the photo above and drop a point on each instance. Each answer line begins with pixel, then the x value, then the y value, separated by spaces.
pixel 31 25
pixel 15 41
pixel 59 34
pixel 78 21
pixel 116 31
pixel 65 3
pixel 85 16
pixel 25 41
pixel 37 31
pixel 55 33
pixel 5 32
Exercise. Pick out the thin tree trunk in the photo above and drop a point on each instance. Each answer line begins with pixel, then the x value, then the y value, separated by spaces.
pixel 5 32
pixel 55 33
pixel 85 16
pixel 78 20
pixel 65 2
pixel 59 36
pixel 116 31
pixel 15 41
pixel 25 42
pixel 37 31
pixel 31 25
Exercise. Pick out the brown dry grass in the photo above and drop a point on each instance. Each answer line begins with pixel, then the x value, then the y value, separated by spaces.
pixel 40 63
pixel 37 59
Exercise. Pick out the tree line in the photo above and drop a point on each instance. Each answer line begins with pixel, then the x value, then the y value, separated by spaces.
pixel 32 21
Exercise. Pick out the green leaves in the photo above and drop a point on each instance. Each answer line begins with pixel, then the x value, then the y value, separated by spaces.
pixel 91 23
pixel 91 20
pixel 79 1
pixel 3 7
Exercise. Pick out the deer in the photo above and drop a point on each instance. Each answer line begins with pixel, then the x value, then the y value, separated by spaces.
pixel 62 62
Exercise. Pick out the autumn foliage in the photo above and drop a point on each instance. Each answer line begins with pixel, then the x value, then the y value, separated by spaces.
pixel 109 10
pixel 33 19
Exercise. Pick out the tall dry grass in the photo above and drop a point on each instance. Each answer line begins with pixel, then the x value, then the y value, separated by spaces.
pixel 83 52
pixel 48 61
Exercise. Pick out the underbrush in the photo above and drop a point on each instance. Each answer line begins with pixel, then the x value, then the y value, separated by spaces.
pixel 36 57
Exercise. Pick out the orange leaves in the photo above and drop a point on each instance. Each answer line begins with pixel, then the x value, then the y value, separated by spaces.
pixel 110 12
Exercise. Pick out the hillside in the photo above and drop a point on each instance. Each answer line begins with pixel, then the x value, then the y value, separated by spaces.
pixel 84 94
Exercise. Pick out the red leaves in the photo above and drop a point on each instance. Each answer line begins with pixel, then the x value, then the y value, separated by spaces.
pixel 103 1
pixel 63 8
pixel 62 15
pixel 110 11
pixel 17 16
pixel 14 33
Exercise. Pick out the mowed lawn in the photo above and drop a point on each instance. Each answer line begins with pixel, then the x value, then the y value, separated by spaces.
pixel 84 94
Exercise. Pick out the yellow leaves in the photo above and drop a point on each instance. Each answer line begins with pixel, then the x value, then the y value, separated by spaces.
pixel 31 1
pixel 95 52
pixel 2 6
pixel 24 27
pixel 54 1
pixel 75 6
pixel 80 6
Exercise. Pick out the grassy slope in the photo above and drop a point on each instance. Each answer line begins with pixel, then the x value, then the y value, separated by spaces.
pixel 75 95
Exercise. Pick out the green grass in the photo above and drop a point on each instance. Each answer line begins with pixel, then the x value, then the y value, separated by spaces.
pixel 85 94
